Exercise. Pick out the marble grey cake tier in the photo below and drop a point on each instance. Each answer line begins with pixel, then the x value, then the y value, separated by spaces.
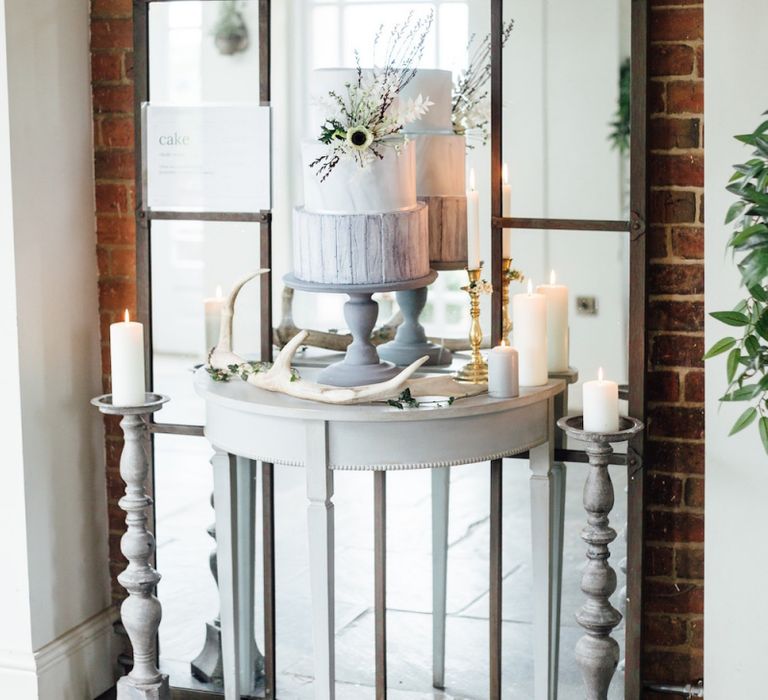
pixel 362 249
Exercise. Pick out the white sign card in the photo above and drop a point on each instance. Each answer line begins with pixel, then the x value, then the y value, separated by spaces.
pixel 207 158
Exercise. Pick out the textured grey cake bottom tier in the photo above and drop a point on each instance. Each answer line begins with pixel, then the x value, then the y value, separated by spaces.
pixel 362 249
pixel 447 231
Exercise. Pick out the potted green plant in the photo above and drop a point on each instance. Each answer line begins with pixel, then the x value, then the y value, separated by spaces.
pixel 747 348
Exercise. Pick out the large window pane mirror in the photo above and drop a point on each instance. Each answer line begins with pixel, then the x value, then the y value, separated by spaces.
pixel 564 136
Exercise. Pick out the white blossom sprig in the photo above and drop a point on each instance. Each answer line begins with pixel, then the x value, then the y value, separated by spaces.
pixel 361 123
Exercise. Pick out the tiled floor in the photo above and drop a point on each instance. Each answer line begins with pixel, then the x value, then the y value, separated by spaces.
pixel 188 593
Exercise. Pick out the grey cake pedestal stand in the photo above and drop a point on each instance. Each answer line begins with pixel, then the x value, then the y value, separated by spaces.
pixel 361 365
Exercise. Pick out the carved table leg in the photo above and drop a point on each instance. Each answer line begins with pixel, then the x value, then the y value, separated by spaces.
pixel 207 666
pixel 380 579
pixel 410 341
pixel 225 494
pixel 141 611
pixel 441 484
pixel 321 557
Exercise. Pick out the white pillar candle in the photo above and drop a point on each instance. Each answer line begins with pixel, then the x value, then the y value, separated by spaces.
pixel 473 224
pixel 503 381
pixel 557 324
pixel 601 405
pixel 213 307
pixel 506 210
pixel 126 346
pixel 529 327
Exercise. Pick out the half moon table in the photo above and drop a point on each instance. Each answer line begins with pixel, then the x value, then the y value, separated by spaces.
pixel 255 425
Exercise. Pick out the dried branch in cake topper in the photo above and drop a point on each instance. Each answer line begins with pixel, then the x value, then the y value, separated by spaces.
pixel 469 108
pixel 361 123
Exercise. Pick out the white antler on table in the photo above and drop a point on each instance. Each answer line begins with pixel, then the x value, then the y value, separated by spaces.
pixel 281 378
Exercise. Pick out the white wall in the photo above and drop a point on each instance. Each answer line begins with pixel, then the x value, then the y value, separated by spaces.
pixel 735 608
pixel 54 592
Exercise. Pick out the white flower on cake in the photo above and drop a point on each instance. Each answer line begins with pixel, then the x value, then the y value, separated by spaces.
pixel 363 121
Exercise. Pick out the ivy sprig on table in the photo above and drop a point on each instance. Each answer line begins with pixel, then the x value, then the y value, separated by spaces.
pixel 243 371
pixel 406 400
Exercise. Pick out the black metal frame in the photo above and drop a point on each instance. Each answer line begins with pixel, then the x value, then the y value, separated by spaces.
pixel 144 217
pixel 635 227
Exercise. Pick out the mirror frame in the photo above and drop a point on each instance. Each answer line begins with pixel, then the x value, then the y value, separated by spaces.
pixel 635 228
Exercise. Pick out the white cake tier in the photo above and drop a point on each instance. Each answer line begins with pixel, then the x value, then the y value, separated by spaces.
pixel 437 85
pixel 360 249
pixel 383 185
pixel 440 164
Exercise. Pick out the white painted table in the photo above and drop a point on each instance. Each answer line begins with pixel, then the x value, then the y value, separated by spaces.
pixel 252 424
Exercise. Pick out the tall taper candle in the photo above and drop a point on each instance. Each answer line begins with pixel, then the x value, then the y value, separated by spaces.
pixel 126 346
pixel 529 328
pixel 601 405
pixel 473 224
pixel 557 323
pixel 506 210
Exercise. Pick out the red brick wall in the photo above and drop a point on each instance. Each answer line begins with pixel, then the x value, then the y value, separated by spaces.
pixel 674 551
pixel 111 68
pixel 674 590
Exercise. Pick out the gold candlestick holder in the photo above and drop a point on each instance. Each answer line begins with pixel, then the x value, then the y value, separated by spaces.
pixel 476 370
pixel 508 274
pixel 506 321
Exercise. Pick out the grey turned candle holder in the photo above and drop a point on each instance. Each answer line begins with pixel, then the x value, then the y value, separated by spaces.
pixel 597 652
pixel 141 611
pixel 361 364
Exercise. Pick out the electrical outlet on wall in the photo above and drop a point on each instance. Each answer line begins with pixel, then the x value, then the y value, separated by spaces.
pixel 586 306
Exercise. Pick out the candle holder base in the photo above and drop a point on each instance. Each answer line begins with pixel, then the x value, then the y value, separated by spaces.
pixel 410 341
pixel 473 373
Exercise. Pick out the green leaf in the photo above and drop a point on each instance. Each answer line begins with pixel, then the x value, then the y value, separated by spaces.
pixel 754 268
pixel 739 237
pixel 744 420
pixel 731 318
pixel 745 393
pixel 720 347
pixel 758 292
pixel 752 345
pixel 762 325
pixel 734 211
pixel 763 428
pixel 732 363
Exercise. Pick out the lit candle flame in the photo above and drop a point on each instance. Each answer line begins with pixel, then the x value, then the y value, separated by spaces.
pixel 127 317
pixel 600 374
pixel 530 287
pixel 552 277
pixel 219 295
pixel 472 179
pixel 505 174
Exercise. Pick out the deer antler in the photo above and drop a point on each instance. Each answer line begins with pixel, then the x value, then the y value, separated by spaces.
pixel 280 377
